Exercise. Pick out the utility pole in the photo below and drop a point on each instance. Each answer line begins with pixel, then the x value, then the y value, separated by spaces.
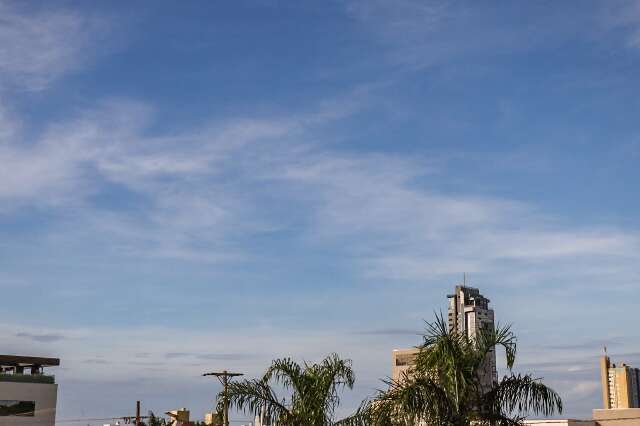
pixel 224 377
pixel 137 413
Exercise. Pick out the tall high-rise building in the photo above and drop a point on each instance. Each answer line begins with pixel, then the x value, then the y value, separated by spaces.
pixel 620 385
pixel 469 313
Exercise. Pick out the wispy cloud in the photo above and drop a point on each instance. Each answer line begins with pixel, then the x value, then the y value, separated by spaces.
pixel 424 34
pixel 41 337
pixel 413 231
pixel 37 48
pixel 201 191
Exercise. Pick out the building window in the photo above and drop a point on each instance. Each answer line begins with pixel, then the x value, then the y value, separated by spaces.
pixel 17 408
pixel 402 360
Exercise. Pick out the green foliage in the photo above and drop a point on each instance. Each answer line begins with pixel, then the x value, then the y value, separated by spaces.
pixel 444 387
pixel 314 391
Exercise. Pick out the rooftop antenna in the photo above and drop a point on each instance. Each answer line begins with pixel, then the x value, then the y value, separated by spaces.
pixel 605 350
pixel 464 279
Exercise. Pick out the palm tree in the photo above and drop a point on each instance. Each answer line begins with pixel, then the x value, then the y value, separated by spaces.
pixel 313 391
pixel 444 386
pixel 153 420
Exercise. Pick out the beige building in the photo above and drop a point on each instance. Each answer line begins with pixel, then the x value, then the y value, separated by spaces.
pixel 620 385
pixel 608 417
pixel 469 313
pixel 212 419
pixel 617 417
pixel 402 361
pixel 27 396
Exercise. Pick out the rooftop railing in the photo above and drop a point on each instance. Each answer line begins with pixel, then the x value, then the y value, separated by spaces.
pixel 27 378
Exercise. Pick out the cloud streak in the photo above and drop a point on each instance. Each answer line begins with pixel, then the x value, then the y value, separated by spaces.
pixel 44 338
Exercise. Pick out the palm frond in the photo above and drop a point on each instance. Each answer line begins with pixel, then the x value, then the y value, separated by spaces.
pixel 254 396
pixel 502 336
pixel 522 394
pixel 285 372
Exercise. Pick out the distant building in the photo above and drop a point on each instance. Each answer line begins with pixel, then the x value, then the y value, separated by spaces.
pixel 620 385
pixel 179 417
pixel 402 361
pixel 212 419
pixel 27 395
pixel 469 314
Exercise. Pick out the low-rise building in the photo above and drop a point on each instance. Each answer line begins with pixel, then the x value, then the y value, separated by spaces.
pixel 402 361
pixel 27 395
pixel 212 419
pixel 617 417
pixel 179 417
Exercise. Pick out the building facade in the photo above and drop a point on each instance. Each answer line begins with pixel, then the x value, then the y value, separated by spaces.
pixel 402 361
pixel 620 385
pixel 469 314
pixel 27 395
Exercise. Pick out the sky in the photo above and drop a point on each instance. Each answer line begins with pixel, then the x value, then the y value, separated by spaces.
pixel 197 186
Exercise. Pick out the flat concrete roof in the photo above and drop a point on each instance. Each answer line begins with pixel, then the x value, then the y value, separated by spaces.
pixel 27 361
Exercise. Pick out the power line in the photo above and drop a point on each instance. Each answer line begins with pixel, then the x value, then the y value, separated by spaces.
pixel 224 377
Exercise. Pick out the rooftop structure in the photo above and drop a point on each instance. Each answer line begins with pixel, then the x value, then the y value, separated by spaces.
pixel 14 368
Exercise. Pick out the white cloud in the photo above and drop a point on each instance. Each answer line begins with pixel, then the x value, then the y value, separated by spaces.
pixel 387 215
pixel 35 49
pixel 203 188
pixel 198 188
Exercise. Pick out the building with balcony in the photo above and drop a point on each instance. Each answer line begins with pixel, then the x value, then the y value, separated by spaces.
pixel 27 395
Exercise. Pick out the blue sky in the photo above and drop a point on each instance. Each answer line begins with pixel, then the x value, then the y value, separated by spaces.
pixel 197 186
